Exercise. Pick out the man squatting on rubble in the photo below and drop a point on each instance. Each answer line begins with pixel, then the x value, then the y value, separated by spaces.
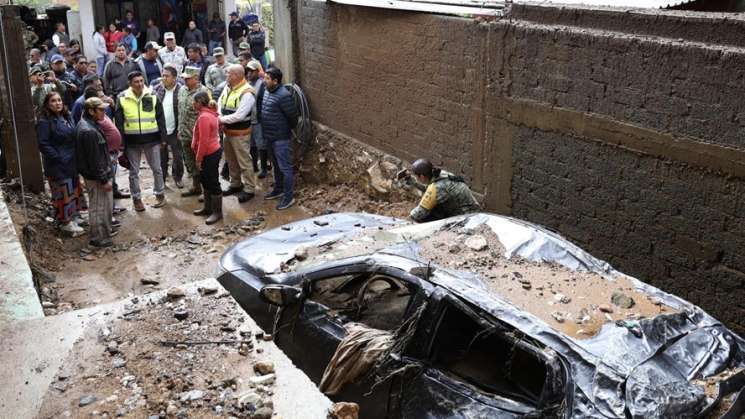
pixel 445 195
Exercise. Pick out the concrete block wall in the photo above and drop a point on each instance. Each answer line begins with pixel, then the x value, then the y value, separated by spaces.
pixel 620 129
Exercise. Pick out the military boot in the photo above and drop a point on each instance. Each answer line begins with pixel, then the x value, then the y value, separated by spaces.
pixel 207 209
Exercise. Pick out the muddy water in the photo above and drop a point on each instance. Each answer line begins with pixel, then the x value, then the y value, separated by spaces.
pixel 168 245
pixel 545 290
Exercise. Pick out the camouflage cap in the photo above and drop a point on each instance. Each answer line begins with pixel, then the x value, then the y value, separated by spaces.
pixel 253 65
pixel 190 72
pixel 244 45
pixel 218 51
pixel 35 70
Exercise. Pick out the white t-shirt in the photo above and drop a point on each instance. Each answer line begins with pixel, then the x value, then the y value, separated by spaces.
pixel 169 112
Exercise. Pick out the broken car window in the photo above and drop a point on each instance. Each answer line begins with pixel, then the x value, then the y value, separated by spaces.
pixel 375 300
pixel 487 359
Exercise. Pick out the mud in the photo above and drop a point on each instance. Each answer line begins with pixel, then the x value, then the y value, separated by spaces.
pixel 137 364
pixel 548 291
pixel 324 199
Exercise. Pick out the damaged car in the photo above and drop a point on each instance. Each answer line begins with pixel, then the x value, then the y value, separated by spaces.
pixel 479 316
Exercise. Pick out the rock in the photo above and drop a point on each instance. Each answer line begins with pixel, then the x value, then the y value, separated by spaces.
pixel 344 410
pixel 207 290
pixel 119 363
pixel 250 397
pixel 264 367
pixel 454 248
pixel 263 413
pixel 622 300
pixel 605 308
pixel 175 293
pixel 172 408
pixel 477 242
pixel 267 337
pixel 244 349
pixel 153 417
pixel 262 379
pixel 86 400
pixel 48 304
pixel 526 285
pixel 112 348
pixel 191 395
pixel 180 314
pixel 378 180
pixel 561 298
pixel 301 253
pixel 149 281
pixel 583 317
pixel 558 316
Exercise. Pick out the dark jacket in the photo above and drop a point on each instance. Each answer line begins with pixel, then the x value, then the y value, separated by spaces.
pixel 202 65
pixel 278 114
pixel 236 30
pixel 115 76
pixel 151 138
pixel 141 65
pixel 91 152
pixel 257 40
pixel 191 37
pixel 160 93
pixel 56 138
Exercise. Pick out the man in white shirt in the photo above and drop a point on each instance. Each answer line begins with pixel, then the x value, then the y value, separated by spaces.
pixel 99 45
pixel 172 53
pixel 167 92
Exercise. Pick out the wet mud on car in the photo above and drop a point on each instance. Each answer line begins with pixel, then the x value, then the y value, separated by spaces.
pixel 483 316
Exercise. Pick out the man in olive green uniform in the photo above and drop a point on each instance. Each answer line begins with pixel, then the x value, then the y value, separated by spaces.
pixel 445 195
pixel 187 117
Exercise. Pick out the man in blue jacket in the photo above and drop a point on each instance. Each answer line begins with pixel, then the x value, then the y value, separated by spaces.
pixel 278 118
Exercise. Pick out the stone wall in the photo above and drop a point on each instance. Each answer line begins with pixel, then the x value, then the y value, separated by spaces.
pixel 620 129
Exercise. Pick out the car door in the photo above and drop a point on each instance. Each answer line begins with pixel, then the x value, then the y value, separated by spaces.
pixel 472 369
pixel 311 332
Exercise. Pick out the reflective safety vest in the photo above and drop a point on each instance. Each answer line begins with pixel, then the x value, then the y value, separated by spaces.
pixel 229 101
pixel 139 114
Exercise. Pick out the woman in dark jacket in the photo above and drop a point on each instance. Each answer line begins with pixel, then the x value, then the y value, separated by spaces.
pixel 55 133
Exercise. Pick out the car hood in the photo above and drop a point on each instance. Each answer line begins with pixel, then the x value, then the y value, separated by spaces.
pixel 613 373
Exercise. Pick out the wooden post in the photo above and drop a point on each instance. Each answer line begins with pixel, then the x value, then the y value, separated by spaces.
pixel 16 108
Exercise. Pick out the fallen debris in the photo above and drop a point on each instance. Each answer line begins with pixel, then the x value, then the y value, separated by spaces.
pixel 344 410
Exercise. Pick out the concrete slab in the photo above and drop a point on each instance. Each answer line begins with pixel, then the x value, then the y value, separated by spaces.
pixel 38 348
pixel 18 298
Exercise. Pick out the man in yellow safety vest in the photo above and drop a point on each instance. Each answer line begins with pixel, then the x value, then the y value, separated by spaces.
pixel 140 118
pixel 235 106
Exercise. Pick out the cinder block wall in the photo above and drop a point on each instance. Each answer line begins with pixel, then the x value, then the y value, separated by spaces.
pixel 622 130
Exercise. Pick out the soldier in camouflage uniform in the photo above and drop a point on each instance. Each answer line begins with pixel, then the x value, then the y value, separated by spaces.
pixel 30 38
pixel 216 72
pixel 445 195
pixel 187 117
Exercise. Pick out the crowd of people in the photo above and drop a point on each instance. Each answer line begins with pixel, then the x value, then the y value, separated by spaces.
pixel 181 108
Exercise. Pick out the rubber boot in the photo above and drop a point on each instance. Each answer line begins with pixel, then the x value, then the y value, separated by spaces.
pixel 264 158
pixel 196 187
pixel 254 152
pixel 225 172
pixel 216 210
pixel 207 209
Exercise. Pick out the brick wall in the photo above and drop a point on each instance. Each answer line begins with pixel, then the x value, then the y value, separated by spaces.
pixel 629 144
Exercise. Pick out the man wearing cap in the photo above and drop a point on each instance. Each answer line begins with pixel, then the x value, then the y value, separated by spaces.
pixel 60 73
pixel 234 106
pixel 167 91
pixel 236 31
pixel 41 84
pixel 140 119
pixel 115 74
pixel 150 64
pixel 216 72
pixel 172 53
pixel 257 40
pixel 78 73
pixel 94 164
pixel 216 31
pixel 187 117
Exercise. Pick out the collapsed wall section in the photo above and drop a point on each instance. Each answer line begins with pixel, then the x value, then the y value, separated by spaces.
pixel 628 142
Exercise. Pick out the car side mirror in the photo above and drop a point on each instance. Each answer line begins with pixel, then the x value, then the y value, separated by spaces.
pixel 281 295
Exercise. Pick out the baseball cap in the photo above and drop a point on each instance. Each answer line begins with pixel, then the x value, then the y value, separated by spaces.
pixel 218 51
pixel 169 35
pixel 244 45
pixel 95 103
pixel 56 58
pixel 233 13
pixel 253 65
pixel 35 70
pixel 151 45
pixel 190 72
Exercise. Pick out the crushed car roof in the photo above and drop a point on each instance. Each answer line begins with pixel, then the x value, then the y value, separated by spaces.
pixel 537 282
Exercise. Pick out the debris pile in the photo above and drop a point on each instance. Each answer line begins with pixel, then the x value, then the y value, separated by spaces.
pixel 326 199
pixel 177 356
pixel 576 303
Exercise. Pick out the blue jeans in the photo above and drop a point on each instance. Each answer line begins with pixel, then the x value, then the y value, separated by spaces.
pixel 214 44
pixel 100 64
pixel 282 161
